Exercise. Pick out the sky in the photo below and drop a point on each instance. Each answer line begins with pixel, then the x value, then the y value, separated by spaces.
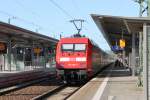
pixel 51 17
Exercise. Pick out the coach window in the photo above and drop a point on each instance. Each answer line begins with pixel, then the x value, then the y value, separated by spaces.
pixel 80 47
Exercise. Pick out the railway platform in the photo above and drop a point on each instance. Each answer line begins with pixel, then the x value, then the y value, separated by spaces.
pixel 114 83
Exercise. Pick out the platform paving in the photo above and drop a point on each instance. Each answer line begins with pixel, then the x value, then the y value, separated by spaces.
pixel 117 85
pixel 124 88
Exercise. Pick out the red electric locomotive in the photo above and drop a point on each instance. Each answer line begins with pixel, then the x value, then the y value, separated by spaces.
pixel 78 59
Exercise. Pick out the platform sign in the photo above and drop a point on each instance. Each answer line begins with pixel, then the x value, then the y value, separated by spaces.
pixel 37 50
pixel 122 43
pixel 116 48
pixel 3 47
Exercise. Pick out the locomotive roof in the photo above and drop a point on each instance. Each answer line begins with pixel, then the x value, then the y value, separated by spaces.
pixel 74 40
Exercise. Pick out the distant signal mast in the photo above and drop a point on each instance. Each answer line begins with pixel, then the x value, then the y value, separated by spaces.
pixel 142 7
pixel 78 24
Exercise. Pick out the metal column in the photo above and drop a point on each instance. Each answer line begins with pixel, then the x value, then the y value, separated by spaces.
pixel 32 56
pixel 129 57
pixel 124 57
pixel 145 63
pixel 140 64
pixel 24 58
pixel 133 54
pixel 45 56
pixel 146 56
pixel 140 50
pixel 9 54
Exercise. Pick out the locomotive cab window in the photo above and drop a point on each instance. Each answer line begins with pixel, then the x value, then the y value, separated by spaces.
pixel 73 47
pixel 79 47
pixel 67 47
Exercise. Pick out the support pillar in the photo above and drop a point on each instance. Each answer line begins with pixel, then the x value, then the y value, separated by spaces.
pixel 129 59
pixel 32 56
pixel 140 50
pixel 24 63
pixel 123 57
pixel 145 63
pixel 140 60
pixel 9 55
pixel 45 56
pixel 133 55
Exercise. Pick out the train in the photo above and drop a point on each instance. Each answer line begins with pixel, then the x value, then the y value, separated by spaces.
pixel 78 59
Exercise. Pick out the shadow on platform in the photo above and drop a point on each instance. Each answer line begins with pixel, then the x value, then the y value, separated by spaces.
pixel 116 71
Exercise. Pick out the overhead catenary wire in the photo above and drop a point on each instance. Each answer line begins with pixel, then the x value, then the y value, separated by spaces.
pixel 61 9
pixel 77 8
pixel 35 14
pixel 25 21
pixel 31 11
pixel 64 11
pixel 11 16
pixel 20 19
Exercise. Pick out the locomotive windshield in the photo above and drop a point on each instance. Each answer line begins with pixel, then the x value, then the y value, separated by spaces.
pixel 67 47
pixel 79 47
pixel 73 47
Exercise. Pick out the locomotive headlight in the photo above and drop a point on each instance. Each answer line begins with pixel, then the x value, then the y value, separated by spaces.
pixel 81 59
pixel 64 59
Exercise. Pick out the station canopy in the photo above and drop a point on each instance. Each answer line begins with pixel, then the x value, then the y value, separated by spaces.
pixel 115 28
pixel 23 36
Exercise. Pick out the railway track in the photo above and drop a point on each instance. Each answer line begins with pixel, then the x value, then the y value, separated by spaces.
pixel 49 89
pixel 31 91
pixel 64 92
pixel 61 93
